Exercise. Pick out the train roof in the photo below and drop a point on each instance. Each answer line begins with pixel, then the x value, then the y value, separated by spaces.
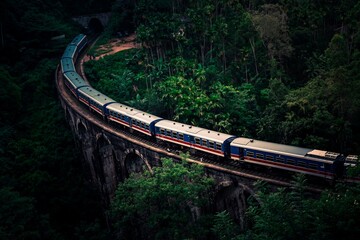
pixel 69 51
pixel 352 158
pixel 75 79
pixel 274 147
pixel 122 109
pixel 145 117
pixel 78 39
pixel 193 131
pixel 95 95
pixel 67 65
pixel 179 127
pixel 323 154
pixel 213 135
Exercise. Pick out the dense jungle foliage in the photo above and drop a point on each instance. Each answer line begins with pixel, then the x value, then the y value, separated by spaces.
pixel 284 71
pixel 43 192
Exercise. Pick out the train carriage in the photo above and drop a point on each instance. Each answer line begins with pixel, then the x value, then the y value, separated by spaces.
pixel 213 142
pixel 134 119
pixel 194 137
pixel 351 173
pixel 303 160
pixel 144 122
pixel 67 65
pixel 94 99
pixel 120 113
pixel 79 41
pixel 74 81
pixel 70 52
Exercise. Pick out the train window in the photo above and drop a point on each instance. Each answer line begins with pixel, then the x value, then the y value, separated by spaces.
pixel 290 161
pixel 181 136
pixel 260 155
pixel 250 154
pixel 162 131
pixel 211 144
pixel 269 157
pixel 301 164
pixel 147 126
pixel 218 146
pixel 280 159
pixel 313 166
pixel 197 141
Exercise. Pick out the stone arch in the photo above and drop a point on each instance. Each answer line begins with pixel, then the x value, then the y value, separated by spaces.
pixel 68 116
pixel 134 162
pixel 95 25
pixel 233 197
pixel 81 127
pixel 105 164
pixel 102 140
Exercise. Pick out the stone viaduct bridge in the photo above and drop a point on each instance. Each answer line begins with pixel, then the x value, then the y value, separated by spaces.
pixel 111 155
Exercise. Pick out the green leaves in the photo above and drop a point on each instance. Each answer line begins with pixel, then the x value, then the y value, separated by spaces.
pixel 160 204
pixel 294 215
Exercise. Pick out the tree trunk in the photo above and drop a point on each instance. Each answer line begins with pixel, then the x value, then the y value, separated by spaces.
pixel 252 44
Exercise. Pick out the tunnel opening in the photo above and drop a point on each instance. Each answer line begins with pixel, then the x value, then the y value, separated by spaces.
pixel 95 26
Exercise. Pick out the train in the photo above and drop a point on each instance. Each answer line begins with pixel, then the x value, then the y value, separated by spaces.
pixel 319 163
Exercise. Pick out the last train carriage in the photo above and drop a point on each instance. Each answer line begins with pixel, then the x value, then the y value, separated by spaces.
pixel 309 161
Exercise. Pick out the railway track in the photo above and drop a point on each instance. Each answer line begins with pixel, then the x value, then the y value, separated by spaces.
pixel 220 164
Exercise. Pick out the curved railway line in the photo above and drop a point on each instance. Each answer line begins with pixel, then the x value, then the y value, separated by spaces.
pixel 229 167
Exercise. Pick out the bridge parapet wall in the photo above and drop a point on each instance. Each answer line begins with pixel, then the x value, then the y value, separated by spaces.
pixel 85 19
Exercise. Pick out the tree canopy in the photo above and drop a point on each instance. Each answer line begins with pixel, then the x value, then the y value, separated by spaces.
pixel 162 205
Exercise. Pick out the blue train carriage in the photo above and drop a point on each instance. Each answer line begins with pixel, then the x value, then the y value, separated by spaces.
pixel 193 137
pixel 70 52
pixel 175 132
pixel 291 158
pixel 144 122
pixel 94 99
pixel 74 81
pixel 120 113
pixel 213 142
pixel 352 169
pixel 80 42
pixel 67 65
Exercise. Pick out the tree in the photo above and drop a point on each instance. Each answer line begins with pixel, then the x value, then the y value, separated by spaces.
pixel 291 214
pixel 271 23
pixel 161 205
pixel 224 227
